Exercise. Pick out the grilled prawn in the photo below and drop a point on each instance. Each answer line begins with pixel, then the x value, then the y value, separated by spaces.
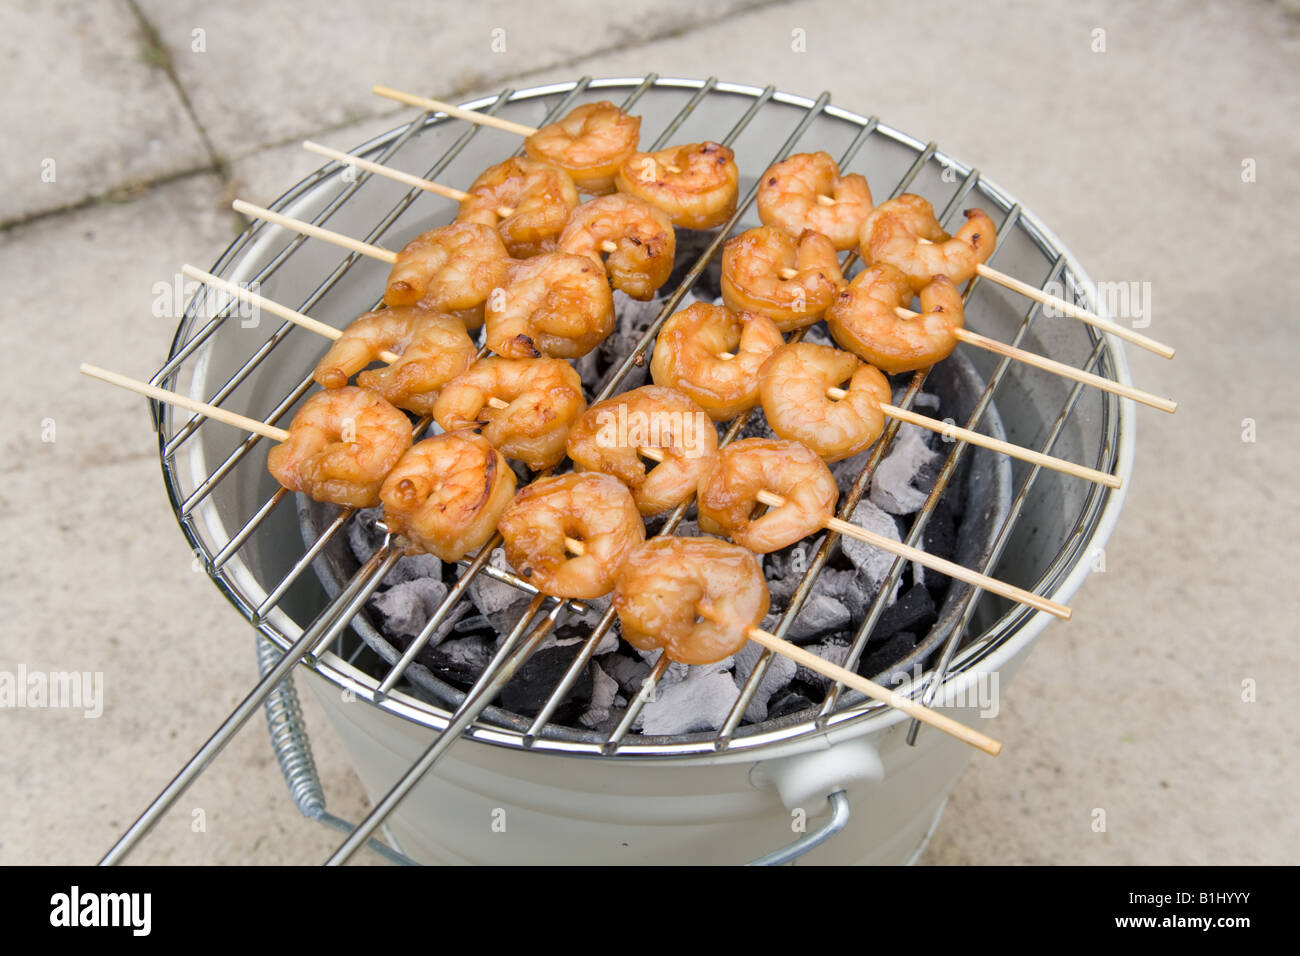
pixel 342 444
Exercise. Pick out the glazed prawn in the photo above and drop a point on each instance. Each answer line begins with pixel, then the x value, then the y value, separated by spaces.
pixel 864 319
pixel 894 231
pixel 539 195
pixel 793 384
pixel 728 493
pixel 589 144
pixel 446 494
pixel 665 582
pixel 451 269
pixel 806 191
pixel 591 508
pixel 553 304
pixel 342 444
pixel 432 349
pixel 695 185
pixel 543 398
pixel 752 279
pixel 610 436
pixel 643 238
pixel 687 356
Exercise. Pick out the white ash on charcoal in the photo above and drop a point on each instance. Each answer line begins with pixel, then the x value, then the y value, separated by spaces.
pixel 406 608
pixel 780 672
pixel 872 563
pixel 700 702
pixel 834 651
pixel 893 487
pixel 604 692
pixel 628 672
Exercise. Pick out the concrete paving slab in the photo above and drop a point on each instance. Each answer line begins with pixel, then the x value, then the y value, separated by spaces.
pixel 88 108
pixel 267 73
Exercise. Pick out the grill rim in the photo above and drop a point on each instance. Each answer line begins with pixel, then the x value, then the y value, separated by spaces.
pixel 1061 579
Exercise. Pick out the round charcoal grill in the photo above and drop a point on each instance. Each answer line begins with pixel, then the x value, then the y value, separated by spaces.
pixel 617 796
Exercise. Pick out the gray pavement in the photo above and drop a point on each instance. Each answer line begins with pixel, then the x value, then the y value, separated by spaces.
pixel 1133 154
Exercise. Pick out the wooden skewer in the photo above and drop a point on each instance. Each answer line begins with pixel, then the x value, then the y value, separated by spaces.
pixel 437 106
pixel 1070 309
pixel 316 232
pixel 175 398
pixel 876 691
pixel 275 308
pixel 396 175
pixel 1051 365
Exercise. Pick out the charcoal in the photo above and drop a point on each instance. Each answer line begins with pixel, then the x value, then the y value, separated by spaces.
pixel 940 540
pixel 406 608
pixel 490 595
pixel 926 403
pixel 604 690
pixel 786 702
pixel 819 335
pixel 629 672
pixel 780 671
pixel 892 487
pixel 784 569
pixel 880 658
pixel 913 611
pixel 363 536
pixel 460 660
pixel 871 562
pixel 700 702
pixel 821 614
pixel 833 651
pixel 847 470
pixel 507 618
pixel 477 625
pixel 537 678
pixel 576 633
pixel 848 588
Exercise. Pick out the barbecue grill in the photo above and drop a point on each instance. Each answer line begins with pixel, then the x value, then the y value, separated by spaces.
pixel 620 796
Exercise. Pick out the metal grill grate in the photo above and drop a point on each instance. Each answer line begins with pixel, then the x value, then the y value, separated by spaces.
pixel 210 502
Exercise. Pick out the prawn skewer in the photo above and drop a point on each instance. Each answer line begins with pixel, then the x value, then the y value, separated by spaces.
pixel 830 523
pixel 339 449
pixel 700 600
pixel 444 495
